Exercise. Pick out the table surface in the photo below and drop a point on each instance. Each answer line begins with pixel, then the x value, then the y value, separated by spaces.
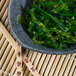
pixel 46 65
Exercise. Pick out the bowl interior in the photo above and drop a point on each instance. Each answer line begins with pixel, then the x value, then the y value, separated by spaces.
pixel 15 8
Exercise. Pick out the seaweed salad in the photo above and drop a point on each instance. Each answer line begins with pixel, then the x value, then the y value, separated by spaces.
pixel 51 23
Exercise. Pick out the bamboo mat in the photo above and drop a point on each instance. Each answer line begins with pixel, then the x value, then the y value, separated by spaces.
pixel 46 65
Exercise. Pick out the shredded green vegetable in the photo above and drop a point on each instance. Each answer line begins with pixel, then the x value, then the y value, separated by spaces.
pixel 51 23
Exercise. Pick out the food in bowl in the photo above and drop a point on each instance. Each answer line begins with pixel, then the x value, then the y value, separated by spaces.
pixel 51 23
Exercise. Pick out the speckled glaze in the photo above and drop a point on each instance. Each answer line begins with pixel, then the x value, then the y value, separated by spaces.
pixel 14 9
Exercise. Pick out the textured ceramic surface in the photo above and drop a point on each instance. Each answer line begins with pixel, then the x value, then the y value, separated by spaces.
pixel 15 8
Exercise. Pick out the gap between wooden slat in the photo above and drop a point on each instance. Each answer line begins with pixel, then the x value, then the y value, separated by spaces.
pixel 0 35
pixel 27 71
pixel 74 74
pixel 69 65
pixel 32 60
pixel 59 65
pixel 3 48
pixel 72 68
pixel 33 57
pixel 13 67
pixel 9 56
pixel 2 41
pixel 1 3
pixel 5 55
pixel 41 62
pixel 7 35
pixel 49 65
pixel 6 62
pixel 64 65
pixel 11 62
pixel 35 62
pixel 29 55
pixel 4 16
pixel 54 65
pixel 29 65
pixel 8 28
pixel 4 8
pixel 6 23
pixel 26 51
pixel 24 68
pixel 45 64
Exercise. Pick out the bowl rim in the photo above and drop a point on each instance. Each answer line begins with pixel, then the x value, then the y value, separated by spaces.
pixel 56 52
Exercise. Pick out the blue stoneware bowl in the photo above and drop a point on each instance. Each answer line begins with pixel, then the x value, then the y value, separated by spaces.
pixel 14 9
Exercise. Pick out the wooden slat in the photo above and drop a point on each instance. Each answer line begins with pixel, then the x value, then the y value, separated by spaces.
pixel 6 23
pixel 2 41
pixel 5 54
pixel 34 63
pixel 9 57
pixel 41 62
pixel 64 65
pixel 6 62
pixel 69 65
pixel 9 38
pixel 8 29
pixel 4 16
pixel 32 60
pixel 1 3
pixel 7 35
pixel 19 60
pixel 27 53
pixel 3 47
pixel 54 66
pixel 33 57
pixel 59 65
pixel 26 72
pixel 24 68
pixel 4 8
pixel 72 69
pixel 74 74
pixel 49 65
pixel 0 35
pixel 45 64
pixel 37 60
pixel 11 62
pixel 30 66
pixel 13 68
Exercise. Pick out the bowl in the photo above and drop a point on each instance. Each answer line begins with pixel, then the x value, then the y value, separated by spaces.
pixel 15 8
